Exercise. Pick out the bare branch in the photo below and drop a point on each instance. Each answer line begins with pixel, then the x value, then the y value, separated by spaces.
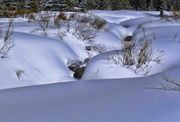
pixel 8 42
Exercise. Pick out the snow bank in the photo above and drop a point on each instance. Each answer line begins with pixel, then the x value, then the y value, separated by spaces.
pixel 165 38
pixel 126 100
pixel 43 59
pixel 40 58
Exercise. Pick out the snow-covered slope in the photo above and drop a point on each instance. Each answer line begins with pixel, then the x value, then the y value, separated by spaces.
pixel 43 59
pixel 165 37
pixel 123 100
pixel 108 91
pixel 39 58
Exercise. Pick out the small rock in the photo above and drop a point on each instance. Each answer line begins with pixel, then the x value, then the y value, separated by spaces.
pixel 88 48
pixel 74 65
pixel 128 38
pixel 79 72
pixel 86 60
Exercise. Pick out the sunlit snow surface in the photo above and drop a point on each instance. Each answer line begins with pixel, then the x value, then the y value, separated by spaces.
pixel 107 92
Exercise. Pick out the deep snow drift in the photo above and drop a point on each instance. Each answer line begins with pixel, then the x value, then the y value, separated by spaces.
pixel 108 91
pixel 43 59
pixel 163 34
pixel 123 100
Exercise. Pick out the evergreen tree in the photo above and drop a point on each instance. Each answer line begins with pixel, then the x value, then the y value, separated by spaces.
pixel 142 5
pixel 135 4
pixel 57 5
pixel 101 4
pixel 148 4
pixel 176 5
pixel 71 4
pixel 90 4
pixel 120 4
pixel 160 4
pixel 66 5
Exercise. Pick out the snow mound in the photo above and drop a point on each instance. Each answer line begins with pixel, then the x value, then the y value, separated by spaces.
pixel 164 44
pixel 40 59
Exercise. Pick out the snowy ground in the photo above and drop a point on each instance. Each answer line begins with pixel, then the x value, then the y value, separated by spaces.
pixel 107 92
pixel 126 100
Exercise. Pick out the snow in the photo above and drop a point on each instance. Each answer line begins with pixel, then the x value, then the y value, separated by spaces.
pixel 39 60
pixel 93 101
pixel 108 91
pixel 164 44
pixel 44 59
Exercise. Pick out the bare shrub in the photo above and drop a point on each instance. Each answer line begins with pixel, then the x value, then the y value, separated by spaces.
pixel 145 54
pixel 128 46
pixel 84 29
pixel 145 51
pixel 176 14
pixel 85 33
pixel 135 54
pixel 86 18
pixel 74 16
pixel 61 35
pixel 114 57
pixel 8 42
pixel 43 21
pixel 72 19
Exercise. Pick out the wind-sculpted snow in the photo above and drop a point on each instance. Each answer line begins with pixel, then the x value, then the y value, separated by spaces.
pixel 164 36
pixel 138 21
pixel 120 100
pixel 108 90
pixel 42 59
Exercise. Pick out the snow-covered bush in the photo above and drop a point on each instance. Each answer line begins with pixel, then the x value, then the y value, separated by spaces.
pixel 7 41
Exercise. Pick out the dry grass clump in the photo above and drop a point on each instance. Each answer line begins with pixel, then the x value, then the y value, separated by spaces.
pixel 86 26
pixel 128 45
pixel 98 23
pixel 59 19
